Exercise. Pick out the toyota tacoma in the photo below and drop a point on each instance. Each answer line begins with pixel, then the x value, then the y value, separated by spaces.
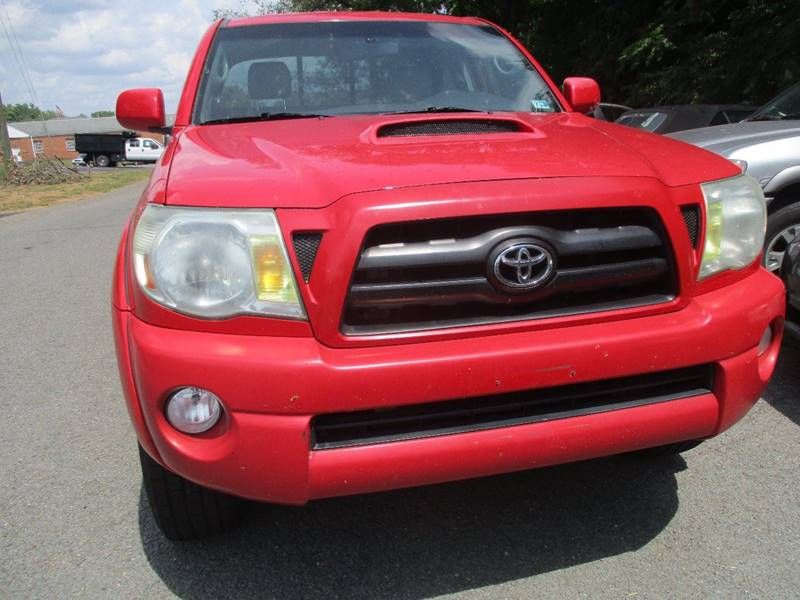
pixel 385 250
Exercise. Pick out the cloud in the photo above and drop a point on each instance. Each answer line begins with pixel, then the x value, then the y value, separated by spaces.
pixel 80 54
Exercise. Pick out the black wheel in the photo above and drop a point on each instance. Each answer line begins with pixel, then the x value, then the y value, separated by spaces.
pixel 184 510
pixel 101 160
pixel 669 449
pixel 782 226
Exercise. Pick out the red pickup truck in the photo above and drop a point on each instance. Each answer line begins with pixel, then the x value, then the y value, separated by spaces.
pixel 385 250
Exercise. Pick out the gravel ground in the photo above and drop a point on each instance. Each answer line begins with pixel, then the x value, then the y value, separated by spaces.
pixel 721 521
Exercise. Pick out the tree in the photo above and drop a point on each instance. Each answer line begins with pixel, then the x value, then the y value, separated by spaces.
pixel 28 112
pixel 643 52
pixel 103 113
pixel 22 112
pixel 252 7
pixel 5 143
pixel 428 6
pixel 649 52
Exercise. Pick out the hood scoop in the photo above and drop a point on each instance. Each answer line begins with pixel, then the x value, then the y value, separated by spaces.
pixel 462 126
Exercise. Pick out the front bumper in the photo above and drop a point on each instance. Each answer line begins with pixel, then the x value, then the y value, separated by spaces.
pixel 272 387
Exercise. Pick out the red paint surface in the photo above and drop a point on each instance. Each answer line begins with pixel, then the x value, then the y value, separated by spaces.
pixel 314 165
pixel 141 110
pixel 273 386
pixel 582 93
pixel 435 460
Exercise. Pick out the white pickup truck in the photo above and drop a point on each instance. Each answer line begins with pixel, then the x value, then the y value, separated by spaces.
pixel 108 149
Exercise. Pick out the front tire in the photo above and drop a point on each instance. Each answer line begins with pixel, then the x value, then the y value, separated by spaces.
pixel 781 229
pixel 184 510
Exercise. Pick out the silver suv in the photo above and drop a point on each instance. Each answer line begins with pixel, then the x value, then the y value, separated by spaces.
pixel 767 146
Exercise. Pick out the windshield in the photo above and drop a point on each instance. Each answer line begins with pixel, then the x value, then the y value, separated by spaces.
pixel 643 120
pixel 785 106
pixel 365 67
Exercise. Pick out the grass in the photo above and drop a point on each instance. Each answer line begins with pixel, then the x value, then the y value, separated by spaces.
pixel 24 197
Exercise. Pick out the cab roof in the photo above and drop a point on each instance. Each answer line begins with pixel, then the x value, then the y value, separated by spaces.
pixel 311 17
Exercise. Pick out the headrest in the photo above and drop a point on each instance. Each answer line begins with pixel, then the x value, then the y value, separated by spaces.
pixel 269 80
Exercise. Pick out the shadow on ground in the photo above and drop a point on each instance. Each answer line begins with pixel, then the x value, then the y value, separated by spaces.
pixel 783 392
pixel 427 541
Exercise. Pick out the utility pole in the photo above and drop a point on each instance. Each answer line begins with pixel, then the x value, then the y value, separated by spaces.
pixel 5 144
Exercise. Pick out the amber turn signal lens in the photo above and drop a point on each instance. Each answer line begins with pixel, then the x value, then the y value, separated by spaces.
pixel 274 282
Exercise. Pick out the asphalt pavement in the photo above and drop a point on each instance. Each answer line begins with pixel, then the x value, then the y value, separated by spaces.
pixel 721 521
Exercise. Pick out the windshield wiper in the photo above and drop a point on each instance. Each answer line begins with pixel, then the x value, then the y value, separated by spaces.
pixel 437 109
pixel 781 117
pixel 267 116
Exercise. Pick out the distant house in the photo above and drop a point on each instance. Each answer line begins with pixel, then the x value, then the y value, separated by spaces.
pixel 17 137
pixel 56 138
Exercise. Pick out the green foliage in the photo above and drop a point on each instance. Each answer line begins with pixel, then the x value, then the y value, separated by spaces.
pixel 728 51
pixel 428 6
pixel 643 52
pixel 251 7
pixel 102 113
pixel 28 112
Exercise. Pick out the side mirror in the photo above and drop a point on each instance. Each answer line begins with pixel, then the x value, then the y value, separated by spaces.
pixel 582 93
pixel 142 110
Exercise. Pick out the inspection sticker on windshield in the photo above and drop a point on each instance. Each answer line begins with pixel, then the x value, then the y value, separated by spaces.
pixel 541 105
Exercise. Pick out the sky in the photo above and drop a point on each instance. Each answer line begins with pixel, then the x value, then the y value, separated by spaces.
pixel 81 53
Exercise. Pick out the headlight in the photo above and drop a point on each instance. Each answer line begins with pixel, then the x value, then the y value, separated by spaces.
pixel 736 219
pixel 215 263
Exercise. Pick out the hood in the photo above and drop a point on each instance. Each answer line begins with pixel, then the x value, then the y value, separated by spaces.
pixel 726 139
pixel 310 163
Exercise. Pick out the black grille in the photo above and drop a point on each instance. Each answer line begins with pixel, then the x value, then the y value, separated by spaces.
pixel 340 430
pixel 691 216
pixel 305 248
pixel 448 127
pixel 433 274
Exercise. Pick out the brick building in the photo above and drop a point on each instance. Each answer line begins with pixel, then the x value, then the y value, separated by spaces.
pixel 56 138
pixel 16 137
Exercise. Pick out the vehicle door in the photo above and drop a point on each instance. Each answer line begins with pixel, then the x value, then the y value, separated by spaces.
pixel 133 149
pixel 151 149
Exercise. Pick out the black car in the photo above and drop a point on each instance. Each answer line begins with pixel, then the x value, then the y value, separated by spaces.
pixel 790 271
pixel 668 119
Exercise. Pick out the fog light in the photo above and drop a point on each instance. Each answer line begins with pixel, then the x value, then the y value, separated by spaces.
pixel 193 410
pixel 765 341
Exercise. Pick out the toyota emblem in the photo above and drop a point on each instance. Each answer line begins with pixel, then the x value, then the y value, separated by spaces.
pixel 522 266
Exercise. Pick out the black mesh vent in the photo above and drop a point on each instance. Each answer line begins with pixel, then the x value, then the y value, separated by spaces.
pixel 691 216
pixel 305 248
pixel 448 127
pixel 340 430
